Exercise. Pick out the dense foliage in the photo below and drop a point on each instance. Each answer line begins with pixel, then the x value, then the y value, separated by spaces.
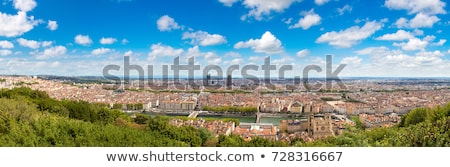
pixel 31 118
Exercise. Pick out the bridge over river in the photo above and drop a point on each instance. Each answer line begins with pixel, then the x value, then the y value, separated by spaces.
pixel 194 114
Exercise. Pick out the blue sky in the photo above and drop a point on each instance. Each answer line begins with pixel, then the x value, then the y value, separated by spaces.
pixel 398 38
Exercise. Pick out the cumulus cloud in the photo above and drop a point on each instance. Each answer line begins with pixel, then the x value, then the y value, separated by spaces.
pixel 310 19
pixel 386 62
pixel 350 36
pixel 425 11
pixel 228 3
pixel 166 23
pixel 5 52
pixel 25 5
pixel 160 50
pixel 421 20
pixel 29 43
pixel 6 44
pixel 321 2
pixel 52 52
pixel 416 6
pixel 268 44
pixel 398 36
pixel 413 44
pixel 204 38
pixel 101 51
pixel 46 43
pixel 302 53
pixel 16 25
pixel 124 41
pixel 108 41
pixel 83 40
pixel 52 25
pixel 401 22
pixel 260 9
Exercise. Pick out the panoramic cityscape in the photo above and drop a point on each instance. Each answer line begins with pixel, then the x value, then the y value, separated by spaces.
pixel 276 114
pixel 224 73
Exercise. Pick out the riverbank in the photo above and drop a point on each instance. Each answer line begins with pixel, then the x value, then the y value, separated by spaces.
pixel 272 118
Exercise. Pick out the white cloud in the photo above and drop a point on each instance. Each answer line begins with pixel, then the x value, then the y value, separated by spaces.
pixel 422 20
pixel 204 38
pixel 419 21
pixel 259 9
pixel 33 44
pixel 46 43
pixel 166 23
pixel 24 5
pixel 425 12
pixel 53 52
pixel 52 25
pixel 268 44
pixel 413 44
pixel 321 2
pixel 212 58
pixel 228 3
pixel 302 53
pixel 16 25
pixel 6 44
pixel 83 40
pixel 416 6
pixel 101 51
pixel 346 8
pixel 283 60
pixel 418 32
pixel 310 19
pixel 401 22
pixel 351 60
pixel 193 52
pixel 233 55
pixel 128 53
pixel 398 36
pixel 236 61
pixel 440 42
pixel 385 62
pixel 108 41
pixel 372 50
pixel 4 52
pixel 29 43
pixel 159 50
pixel 429 38
pixel 287 20
pixel 350 36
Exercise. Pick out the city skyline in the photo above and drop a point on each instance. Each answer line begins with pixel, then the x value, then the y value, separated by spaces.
pixel 80 38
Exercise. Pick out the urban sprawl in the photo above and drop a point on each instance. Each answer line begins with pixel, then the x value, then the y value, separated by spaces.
pixel 309 114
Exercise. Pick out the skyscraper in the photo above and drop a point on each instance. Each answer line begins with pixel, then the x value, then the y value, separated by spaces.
pixel 229 82
pixel 207 80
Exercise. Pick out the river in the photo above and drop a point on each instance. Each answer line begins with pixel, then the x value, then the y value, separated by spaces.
pixel 245 119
